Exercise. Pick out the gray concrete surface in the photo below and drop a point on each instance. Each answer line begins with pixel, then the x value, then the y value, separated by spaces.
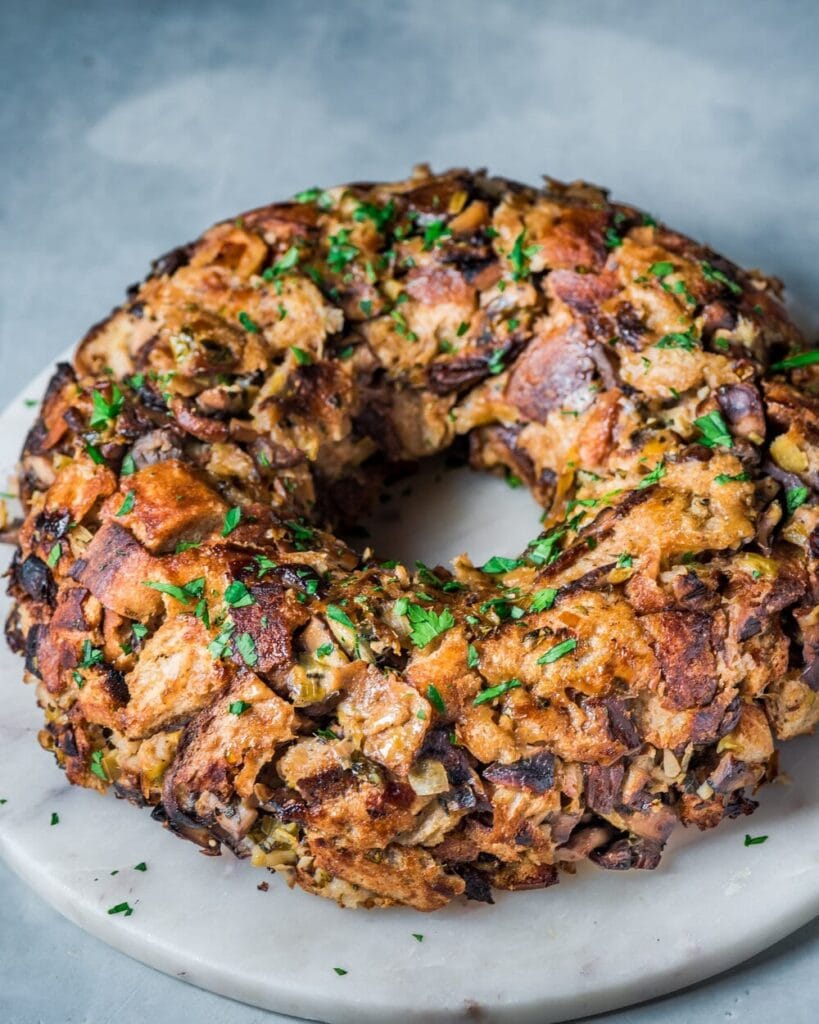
pixel 127 127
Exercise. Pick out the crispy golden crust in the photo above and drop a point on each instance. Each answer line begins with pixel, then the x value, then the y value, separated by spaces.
pixel 381 736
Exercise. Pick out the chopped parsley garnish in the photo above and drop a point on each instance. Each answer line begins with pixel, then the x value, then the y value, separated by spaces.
pixel 246 646
pixel 287 262
pixel 94 454
pixel 139 631
pixel 219 644
pixel 498 564
pixel 418 937
pixel 340 971
pixel 265 565
pixel 379 215
pixel 435 699
pixel 495 363
pixel 325 650
pixel 341 251
pixel 472 657
pixel 653 477
pixel 714 430
pixel 97 767
pixel 463 327
pixel 661 269
pixel 520 257
pixel 544 550
pixel 625 561
pixel 801 359
pixel 557 652
pixel 55 818
pixel 186 545
pixel 428 624
pixel 127 504
pixel 54 555
pixel 339 615
pixel 435 233
pixel 717 277
pixel 315 195
pixel 754 840
pixel 232 519
pixel 543 600
pixel 105 410
pixel 128 466
pixel 366 306
pixel 327 734
pixel 184 594
pixel 503 608
pixel 676 339
pixel 238 596
pixel 122 908
pixel 238 707
pixel 513 481
pixel 90 655
pixel 794 497
pixel 496 691
pixel 142 866
pixel 612 238
pixel 248 323
pixel 303 534
pixel 737 478
pixel 302 358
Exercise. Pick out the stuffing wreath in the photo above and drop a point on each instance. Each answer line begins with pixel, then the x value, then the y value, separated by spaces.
pixel 202 643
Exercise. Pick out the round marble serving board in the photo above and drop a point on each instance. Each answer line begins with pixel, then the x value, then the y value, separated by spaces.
pixel 596 941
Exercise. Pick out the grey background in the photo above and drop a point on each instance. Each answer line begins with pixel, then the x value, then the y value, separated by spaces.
pixel 127 127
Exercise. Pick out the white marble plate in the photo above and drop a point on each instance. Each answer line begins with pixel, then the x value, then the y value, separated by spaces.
pixel 597 941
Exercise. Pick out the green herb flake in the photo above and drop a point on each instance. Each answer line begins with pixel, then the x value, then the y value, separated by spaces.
pixel 325 650
pixel 90 655
pixel 340 971
pixel 246 646
pixel 498 564
pixel 238 596
pixel 122 908
pixel 218 646
pixel 557 652
pixel 54 555
pixel 472 657
pixel 142 866
pixel 435 234
pixel 625 561
pixel 428 624
pixel 801 359
pixel 379 215
pixel 184 594
pixel 105 410
pixel 339 615
pixel 55 818
pixel 287 262
pixel 435 699
pixel 127 505
pixel 341 251
pixel 661 269
pixel 128 466
pixel 754 840
pixel 653 477
pixel 687 340
pixel 714 430
pixel 612 238
pixel 94 454
pixel 97 767
pixel 302 358
pixel 737 478
pixel 543 600
pixel 248 323
pixel 496 691
pixel 711 273
pixel 418 937
pixel 238 707
pixel 232 519
pixel 520 257
pixel 366 307
pixel 794 497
